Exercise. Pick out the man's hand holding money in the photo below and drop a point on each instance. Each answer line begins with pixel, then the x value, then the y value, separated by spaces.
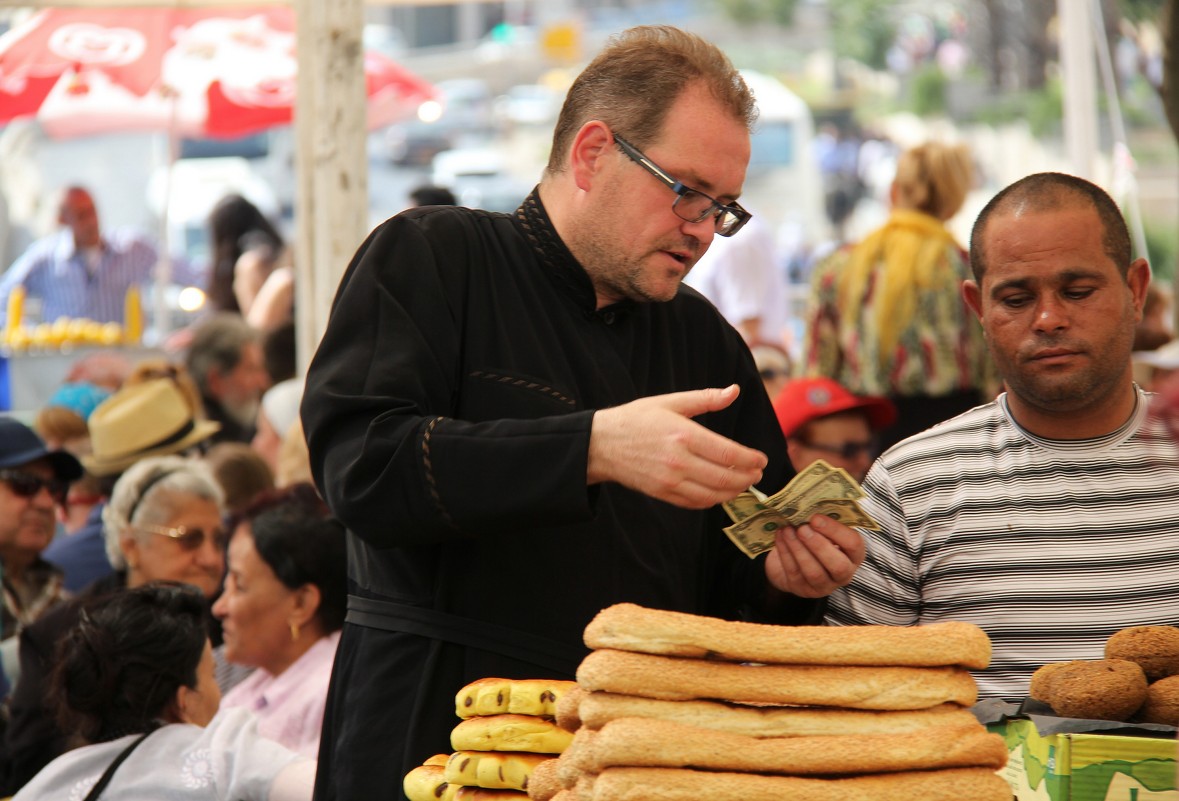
pixel 806 528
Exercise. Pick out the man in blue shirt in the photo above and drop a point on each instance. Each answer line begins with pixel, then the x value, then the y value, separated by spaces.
pixel 77 272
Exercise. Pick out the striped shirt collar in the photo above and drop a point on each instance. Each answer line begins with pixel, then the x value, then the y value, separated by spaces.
pixel 1113 438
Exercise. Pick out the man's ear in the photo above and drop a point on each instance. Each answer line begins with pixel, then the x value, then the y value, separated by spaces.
pixel 590 146
pixel 214 381
pixel 1138 279
pixel 972 294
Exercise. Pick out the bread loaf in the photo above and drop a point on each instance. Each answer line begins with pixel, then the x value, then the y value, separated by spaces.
pixel 597 709
pixel 568 717
pixel 628 627
pixel 670 784
pixel 544 784
pixel 676 679
pixel 509 733
pixel 641 742
pixel 510 696
pixel 426 782
pixel 481 794
pixel 496 770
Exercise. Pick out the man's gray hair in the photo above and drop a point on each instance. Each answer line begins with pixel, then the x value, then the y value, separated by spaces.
pixel 218 343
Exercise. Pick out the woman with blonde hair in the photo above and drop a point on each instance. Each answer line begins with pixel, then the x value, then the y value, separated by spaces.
pixel 887 315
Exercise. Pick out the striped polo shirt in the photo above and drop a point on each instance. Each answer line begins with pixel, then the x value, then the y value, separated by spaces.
pixel 1050 546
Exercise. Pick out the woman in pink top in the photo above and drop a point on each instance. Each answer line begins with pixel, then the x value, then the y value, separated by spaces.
pixel 282 609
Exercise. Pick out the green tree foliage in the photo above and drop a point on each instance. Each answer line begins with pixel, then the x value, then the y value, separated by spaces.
pixel 752 12
pixel 863 30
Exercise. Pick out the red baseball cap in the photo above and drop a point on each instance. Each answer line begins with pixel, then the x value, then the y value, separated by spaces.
pixel 806 399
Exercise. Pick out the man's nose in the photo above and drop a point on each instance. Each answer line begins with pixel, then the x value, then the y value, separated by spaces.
pixel 1051 315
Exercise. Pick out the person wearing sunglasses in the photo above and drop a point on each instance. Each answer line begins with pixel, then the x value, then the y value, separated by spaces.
pixel 33 485
pixel 163 522
pixel 822 420
pixel 523 418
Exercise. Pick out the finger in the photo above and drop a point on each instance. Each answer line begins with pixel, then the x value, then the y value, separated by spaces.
pixel 784 571
pixel 849 541
pixel 691 494
pixel 723 452
pixel 813 572
pixel 699 401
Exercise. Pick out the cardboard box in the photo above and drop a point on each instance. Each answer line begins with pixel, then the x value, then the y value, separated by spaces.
pixel 1084 766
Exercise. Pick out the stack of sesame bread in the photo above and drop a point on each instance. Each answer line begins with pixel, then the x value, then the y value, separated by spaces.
pixel 676 707
pixel 507 729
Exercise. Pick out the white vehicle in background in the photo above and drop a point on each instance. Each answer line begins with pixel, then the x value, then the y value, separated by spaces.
pixel 479 178
pixel 783 184
pixel 192 188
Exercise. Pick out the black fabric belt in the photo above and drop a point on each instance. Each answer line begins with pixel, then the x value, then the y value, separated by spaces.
pixel 543 652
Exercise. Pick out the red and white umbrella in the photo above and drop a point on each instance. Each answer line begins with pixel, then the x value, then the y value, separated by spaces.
pixel 198 72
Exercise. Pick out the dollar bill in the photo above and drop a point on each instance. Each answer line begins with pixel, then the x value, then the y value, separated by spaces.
pixel 819 489
pixel 744 506
pixel 755 535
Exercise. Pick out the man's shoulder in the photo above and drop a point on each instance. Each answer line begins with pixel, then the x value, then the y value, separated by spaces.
pixel 976 425
pixel 40 252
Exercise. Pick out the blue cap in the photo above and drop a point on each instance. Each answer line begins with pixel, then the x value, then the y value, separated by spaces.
pixel 20 445
pixel 81 397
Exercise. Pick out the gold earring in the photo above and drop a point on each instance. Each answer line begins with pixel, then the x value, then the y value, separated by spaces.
pixel 294 631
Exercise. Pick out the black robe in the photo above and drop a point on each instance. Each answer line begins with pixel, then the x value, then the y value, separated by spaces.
pixel 448 414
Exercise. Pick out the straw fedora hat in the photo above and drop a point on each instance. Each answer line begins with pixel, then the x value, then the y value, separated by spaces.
pixel 148 419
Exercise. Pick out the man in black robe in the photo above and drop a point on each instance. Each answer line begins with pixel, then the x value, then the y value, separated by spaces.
pixel 525 418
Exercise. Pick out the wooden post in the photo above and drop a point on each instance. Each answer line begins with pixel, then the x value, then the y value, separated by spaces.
pixel 331 198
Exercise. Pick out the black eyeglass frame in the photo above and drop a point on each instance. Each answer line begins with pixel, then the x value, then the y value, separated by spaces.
pixel 716 209
pixel 26 485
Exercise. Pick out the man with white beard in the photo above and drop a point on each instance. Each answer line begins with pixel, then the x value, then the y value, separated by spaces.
pixel 225 360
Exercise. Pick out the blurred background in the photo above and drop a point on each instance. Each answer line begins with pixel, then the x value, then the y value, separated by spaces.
pixel 843 85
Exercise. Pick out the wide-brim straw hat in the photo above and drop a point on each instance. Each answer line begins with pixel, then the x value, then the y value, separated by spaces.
pixel 149 419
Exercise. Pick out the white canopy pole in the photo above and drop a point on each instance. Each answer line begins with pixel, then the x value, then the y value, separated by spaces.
pixel 331 199
pixel 1080 86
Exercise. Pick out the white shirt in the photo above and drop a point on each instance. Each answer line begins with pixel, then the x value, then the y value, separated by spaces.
pixel 226 760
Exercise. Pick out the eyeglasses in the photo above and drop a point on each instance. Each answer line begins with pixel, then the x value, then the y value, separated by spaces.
pixel 690 204
pixel 848 450
pixel 190 539
pixel 26 485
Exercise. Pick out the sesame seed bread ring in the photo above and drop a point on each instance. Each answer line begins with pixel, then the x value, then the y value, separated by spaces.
pixel 499 770
pixel 510 696
pixel 597 709
pixel 543 784
pixel 670 784
pixel 628 627
pixel 856 687
pixel 641 742
pixel 568 717
pixel 509 733
pixel 426 782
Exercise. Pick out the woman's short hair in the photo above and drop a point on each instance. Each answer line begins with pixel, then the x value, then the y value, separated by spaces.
pixel 149 492
pixel 302 543
pixel 118 669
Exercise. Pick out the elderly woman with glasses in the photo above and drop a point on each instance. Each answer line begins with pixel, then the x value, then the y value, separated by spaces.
pixel 163 523
pixel 134 684
pixel 282 610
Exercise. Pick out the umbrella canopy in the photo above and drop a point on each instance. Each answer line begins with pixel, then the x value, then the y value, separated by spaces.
pixel 196 72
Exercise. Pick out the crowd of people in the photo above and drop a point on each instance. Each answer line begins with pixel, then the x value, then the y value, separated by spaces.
pixel 514 421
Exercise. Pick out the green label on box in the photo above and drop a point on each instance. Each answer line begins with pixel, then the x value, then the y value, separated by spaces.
pixel 1087 767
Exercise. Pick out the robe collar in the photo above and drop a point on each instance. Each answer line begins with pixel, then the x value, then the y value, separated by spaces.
pixel 565 270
